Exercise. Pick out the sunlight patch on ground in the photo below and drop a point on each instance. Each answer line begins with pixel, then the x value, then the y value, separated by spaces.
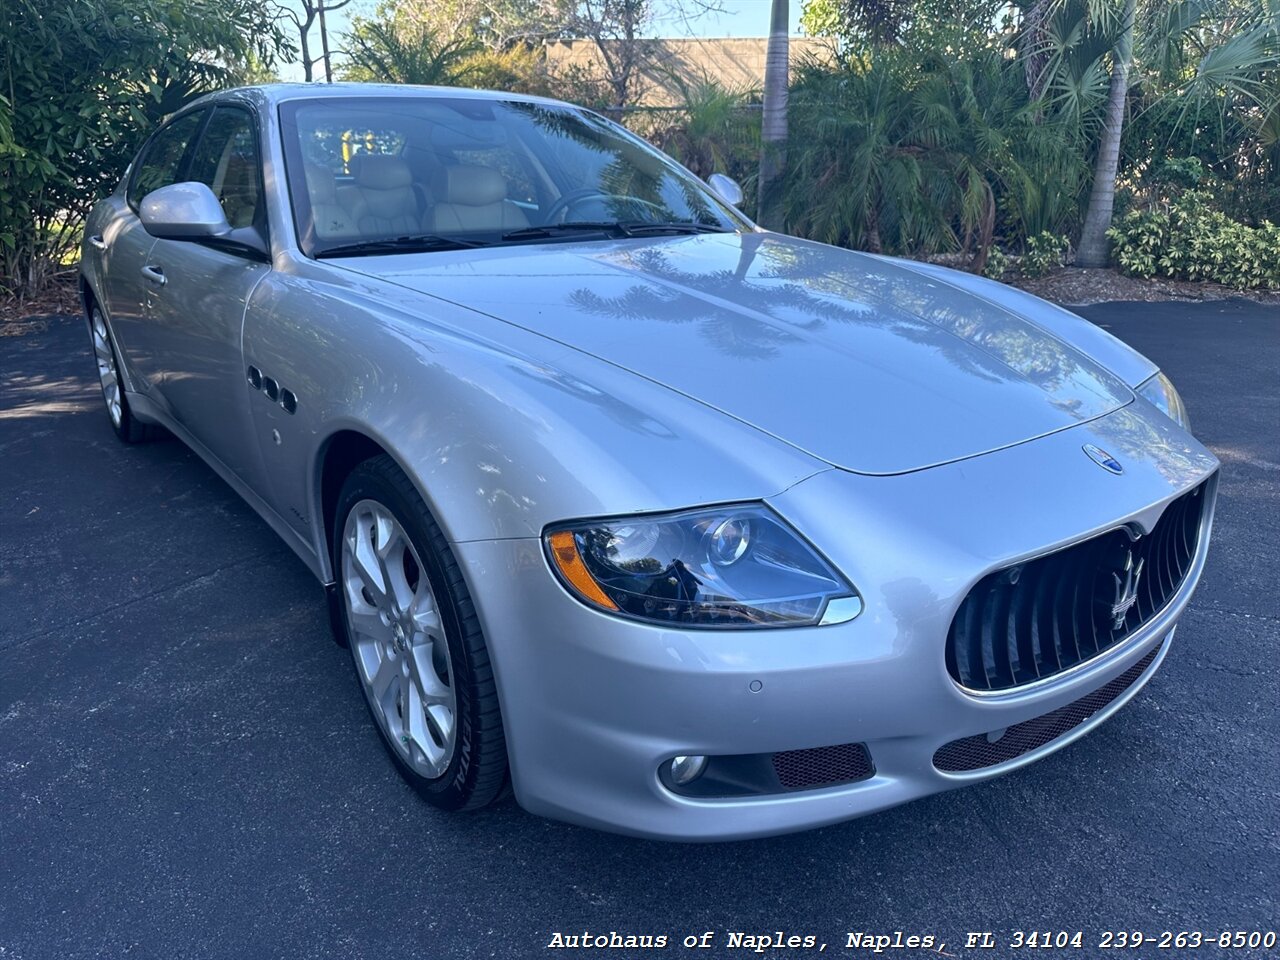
pixel 51 408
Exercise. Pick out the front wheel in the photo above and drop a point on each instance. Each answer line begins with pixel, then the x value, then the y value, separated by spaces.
pixel 416 642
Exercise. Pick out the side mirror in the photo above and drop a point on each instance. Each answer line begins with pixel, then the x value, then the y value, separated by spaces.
pixel 183 211
pixel 726 188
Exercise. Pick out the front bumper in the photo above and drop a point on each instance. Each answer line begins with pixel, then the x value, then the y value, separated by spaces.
pixel 593 705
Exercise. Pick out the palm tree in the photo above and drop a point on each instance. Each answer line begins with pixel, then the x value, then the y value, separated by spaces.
pixel 858 177
pixel 1198 56
pixel 906 152
pixel 386 52
pixel 714 133
pixel 1225 58
pixel 1093 250
pixel 773 128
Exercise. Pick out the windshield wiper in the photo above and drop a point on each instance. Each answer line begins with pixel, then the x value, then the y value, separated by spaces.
pixel 636 228
pixel 411 243
pixel 560 229
pixel 627 228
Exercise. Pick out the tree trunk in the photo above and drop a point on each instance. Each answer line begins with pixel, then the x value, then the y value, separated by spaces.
pixel 324 44
pixel 622 88
pixel 305 49
pixel 304 44
pixel 986 231
pixel 617 46
pixel 1093 250
pixel 1032 40
pixel 773 126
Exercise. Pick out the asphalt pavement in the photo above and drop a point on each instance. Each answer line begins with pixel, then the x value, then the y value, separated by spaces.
pixel 187 768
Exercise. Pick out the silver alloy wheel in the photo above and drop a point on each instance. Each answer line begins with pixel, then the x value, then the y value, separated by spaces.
pixel 108 375
pixel 397 637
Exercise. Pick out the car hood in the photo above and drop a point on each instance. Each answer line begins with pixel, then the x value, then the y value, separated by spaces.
pixel 858 360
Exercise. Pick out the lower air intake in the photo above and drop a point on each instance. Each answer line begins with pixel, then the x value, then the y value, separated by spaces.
pixel 974 753
pixel 822 766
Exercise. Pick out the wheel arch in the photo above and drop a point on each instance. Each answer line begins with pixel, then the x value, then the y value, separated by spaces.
pixel 339 454
pixel 341 451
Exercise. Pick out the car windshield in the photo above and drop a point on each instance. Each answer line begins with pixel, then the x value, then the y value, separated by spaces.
pixel 422 173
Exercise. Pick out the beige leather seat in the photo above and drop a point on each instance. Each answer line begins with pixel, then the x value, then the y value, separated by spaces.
pixel 384 200
pixel 238 190
pixel 331 218
pixel 472 198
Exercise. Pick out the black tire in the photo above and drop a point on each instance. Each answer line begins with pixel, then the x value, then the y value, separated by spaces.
pixel 128 427
pixel 477 773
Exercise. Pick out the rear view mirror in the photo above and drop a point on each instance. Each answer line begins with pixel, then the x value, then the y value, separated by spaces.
pixel 190 211
pixel 183 211
pixel 726 188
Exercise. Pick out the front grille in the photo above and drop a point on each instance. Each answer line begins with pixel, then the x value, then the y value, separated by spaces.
pixel 974 753
pixel 1041 617
pixel 822 766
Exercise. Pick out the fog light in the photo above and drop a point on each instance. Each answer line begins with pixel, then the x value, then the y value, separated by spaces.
pixel 687 769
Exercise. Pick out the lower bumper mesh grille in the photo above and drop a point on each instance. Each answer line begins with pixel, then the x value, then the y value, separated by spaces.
pixel 976 752
pixel 822 766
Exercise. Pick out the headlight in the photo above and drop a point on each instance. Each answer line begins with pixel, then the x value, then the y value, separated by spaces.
pixel 1160 391
pixel 735 566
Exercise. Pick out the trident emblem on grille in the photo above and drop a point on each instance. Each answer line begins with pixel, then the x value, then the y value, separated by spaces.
pixel 1126 591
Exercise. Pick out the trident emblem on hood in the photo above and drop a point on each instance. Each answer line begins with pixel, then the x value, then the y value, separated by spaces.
pixel 1103 459
pixel 1126 591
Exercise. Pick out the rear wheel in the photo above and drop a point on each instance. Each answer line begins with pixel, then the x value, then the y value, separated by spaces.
pixel 415 641
pixel 127 427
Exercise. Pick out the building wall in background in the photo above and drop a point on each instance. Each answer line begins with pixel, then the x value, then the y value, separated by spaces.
pixel 736 64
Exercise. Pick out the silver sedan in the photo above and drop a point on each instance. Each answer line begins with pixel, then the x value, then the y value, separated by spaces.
pixel 672 525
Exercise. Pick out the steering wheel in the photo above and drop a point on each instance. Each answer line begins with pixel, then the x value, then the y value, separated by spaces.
pixel 573 198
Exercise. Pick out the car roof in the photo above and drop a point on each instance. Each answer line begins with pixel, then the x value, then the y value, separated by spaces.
pixel 271 94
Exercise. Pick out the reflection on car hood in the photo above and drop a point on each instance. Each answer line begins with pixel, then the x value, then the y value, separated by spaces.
pixel 862 362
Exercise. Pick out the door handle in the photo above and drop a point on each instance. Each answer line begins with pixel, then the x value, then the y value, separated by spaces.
pixel 97 242
pixel 154 274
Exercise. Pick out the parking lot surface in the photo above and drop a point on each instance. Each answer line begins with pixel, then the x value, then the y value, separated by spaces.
pixel 187 769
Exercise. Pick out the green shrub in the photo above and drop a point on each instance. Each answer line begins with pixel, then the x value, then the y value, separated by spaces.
pixel 1184 172
pixel 521 68
pixel 83 83
pixel 997 264
pixel 1044 252
pixel 1191 241
pixel 1139 238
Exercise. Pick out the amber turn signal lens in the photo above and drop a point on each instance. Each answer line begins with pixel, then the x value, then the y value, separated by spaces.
pixel 564 551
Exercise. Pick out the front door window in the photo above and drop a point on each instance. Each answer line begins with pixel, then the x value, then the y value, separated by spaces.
pixel 227 162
